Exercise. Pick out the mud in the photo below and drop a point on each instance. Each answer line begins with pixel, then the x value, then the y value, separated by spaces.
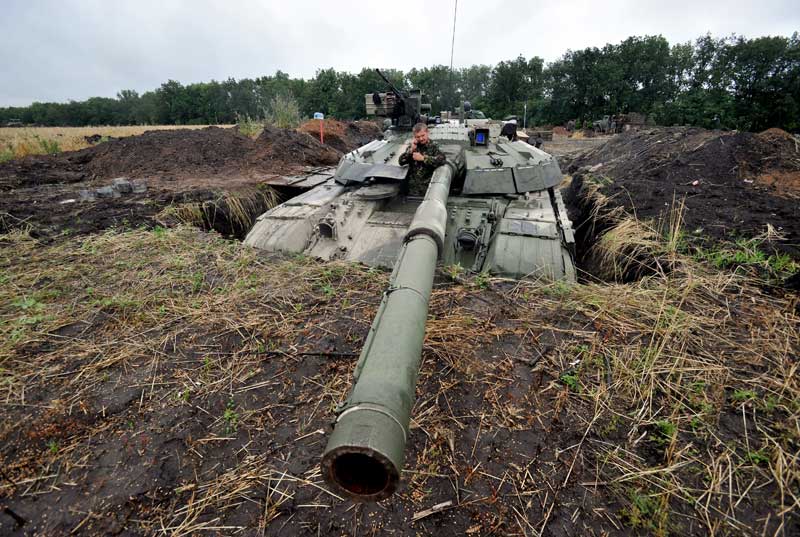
pixel 163 154
pixel 142 445
pixel 168 156
pixel 279 146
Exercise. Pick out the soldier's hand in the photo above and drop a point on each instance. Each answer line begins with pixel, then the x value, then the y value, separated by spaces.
pixel 413 146
pixel 418 156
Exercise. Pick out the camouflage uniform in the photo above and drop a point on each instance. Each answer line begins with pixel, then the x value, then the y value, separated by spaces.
pixel 419 173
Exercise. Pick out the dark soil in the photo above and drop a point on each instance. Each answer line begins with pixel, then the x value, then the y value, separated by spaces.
pixel 191 385
pixel 122 429
pixel 343 136
pixel 45 216
pixel 165 154
pixel 733 183
pixel 171 155
pixel 281 146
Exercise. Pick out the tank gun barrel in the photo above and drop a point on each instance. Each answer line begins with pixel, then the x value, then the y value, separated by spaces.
pixel 365 452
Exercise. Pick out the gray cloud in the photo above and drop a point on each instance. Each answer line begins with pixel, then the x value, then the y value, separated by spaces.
pixel 61 50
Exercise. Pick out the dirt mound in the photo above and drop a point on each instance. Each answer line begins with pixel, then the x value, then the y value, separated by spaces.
pixel 44 194
pixel 784 177
pixel 168 154
pixel 342 136
pixel 733 183
pixel 775 135
pixel 287 147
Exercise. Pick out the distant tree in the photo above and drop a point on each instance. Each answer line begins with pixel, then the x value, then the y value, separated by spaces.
pixel 437 84
pixel 764 81
pixel 513 83
pixel 473 85
pixel 127 101
pixel 322 93
pixel 174 106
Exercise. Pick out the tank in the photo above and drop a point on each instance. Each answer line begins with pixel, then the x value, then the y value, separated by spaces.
pixel 492 207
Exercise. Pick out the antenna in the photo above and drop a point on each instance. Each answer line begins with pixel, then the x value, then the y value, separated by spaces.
pixel 452 48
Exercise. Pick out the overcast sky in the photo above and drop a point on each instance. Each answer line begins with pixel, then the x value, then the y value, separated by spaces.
pixel 69 49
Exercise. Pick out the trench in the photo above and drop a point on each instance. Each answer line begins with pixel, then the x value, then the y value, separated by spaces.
pixel 234 214
pixel 591 221
pixel 231 214
pixel 587 227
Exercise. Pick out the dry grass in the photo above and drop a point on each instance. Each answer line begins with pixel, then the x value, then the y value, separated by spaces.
pixel 630 247
pixel 690 391
pixel 231 213
pixel 694 385
pixel 21 142
pixel 670 405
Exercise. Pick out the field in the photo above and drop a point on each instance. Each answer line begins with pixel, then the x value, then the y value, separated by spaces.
pixel 160 379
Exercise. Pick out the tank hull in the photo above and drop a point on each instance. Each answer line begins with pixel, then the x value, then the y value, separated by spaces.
pixel 515 213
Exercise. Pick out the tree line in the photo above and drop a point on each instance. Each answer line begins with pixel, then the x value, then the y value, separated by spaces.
pixel 734 82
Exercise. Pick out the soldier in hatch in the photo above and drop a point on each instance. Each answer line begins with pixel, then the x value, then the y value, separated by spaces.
pixel 509 130
pixel 423 156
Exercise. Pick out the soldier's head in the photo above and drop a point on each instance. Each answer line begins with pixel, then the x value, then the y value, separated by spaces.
pixel 421 133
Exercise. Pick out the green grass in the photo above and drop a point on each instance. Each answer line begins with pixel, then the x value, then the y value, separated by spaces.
pixel 453 271
pixel 645 512
pixel 558 288
pixel 663 433
pixel 249 126
pixel 231 418
pixel 758 457
pixel 198 278
pixel 482 280
pixel 748 253
pixel 742 396
pixel 328 290
pixel 283 112
pixel 6 154
pixel 27 303
pixel 571 381
pixel 48 147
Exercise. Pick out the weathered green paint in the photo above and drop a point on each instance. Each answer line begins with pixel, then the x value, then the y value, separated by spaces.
pixel 373 424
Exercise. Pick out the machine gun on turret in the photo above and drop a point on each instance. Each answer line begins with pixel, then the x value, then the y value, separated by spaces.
pixel 404 108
